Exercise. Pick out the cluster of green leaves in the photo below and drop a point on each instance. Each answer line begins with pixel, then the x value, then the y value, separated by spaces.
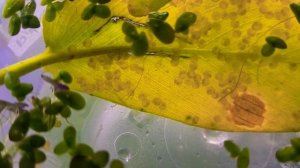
pixel 31 155
pixel 290 153
pixel 42 118
pixel 242 156
pixel 96 8
pixel 162 30
pixel 52 8
pixel 20 14
pixel 18 89
pixel 139 41
pixel 82 154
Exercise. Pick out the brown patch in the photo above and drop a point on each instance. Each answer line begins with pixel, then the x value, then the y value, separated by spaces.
pixel 159 102
pixel 217 119
pixel 195 120
pixel 247 110
pixel 296 115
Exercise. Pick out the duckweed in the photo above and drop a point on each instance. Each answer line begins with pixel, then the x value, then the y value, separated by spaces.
pixel 19 128
pixel 243 159
pixel 12 6
pixel 276 42
pixel 296 143
pixel 296 10
pixel 267 50
pixel 129 30
pixel 50 13
pixel 32 142
pixel 88 12
pixel 29 8
pixel 102 11
pixel 101 158
pixel 140 45
pixel 158 16
pixel 116 164
pixel 286 154
pixel 39 156
pixel 61 148
pixel 70 98
pixel 184 21
pixel 70 136
pixel 162 31
pixel 232 148
pixel 30 21
pixel 11 80
pixel 55 108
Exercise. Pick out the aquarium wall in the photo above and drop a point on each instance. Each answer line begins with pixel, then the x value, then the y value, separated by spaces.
pixel 138 139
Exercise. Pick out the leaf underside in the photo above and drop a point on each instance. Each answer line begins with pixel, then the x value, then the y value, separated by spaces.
pixel 213 77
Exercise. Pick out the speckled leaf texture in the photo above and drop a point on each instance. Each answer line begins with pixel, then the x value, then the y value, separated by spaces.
pixel 214 77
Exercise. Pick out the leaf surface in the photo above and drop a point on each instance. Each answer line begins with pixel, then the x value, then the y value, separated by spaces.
pixel 214 77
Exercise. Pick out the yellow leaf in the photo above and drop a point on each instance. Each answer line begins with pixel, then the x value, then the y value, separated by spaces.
pixel 143 7
pixel 213 77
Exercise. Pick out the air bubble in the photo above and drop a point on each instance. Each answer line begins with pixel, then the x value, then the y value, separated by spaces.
pixel 127 145
pixel 124 154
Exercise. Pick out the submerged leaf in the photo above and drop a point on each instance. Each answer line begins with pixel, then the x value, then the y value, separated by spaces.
pixel 213 77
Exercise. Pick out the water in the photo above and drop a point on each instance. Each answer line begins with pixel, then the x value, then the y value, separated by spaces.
pixel 290 165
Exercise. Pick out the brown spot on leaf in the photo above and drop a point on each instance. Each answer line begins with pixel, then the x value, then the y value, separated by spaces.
pixel 247 110
pixel 195 120
pixel 296 115
pixel 160 103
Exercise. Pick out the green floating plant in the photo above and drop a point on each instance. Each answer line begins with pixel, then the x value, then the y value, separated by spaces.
pixel 242 155
pixel 96 8
pixel 12 6
pixel 42 117
pixel 50 13
pixel 232 148
pixel 72 99
pixel 184 21
pixel 14 25
pixel 139 41
pixel 289 153
pixel 162 30
pixel 29 8
pixel 20 127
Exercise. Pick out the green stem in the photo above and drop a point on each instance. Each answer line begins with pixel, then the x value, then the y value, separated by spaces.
pixel 48 57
